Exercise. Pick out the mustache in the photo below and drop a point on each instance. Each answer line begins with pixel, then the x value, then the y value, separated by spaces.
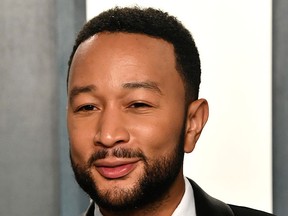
pixel 118 152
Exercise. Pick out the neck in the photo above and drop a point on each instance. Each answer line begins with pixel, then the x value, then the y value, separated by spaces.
pixel 163 207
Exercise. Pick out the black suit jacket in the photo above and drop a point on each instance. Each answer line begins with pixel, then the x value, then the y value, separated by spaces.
pixel 209 206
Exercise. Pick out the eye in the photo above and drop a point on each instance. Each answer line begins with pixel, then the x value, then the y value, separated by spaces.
pixel 140 105
pixel 86 108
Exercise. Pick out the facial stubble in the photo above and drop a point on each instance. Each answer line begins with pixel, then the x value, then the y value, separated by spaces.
pixel 147 193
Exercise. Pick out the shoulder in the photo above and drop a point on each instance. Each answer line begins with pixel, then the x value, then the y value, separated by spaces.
pixel 239 210
pixel 207 205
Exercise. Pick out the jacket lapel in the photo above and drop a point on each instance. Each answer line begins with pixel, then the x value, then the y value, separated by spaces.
pixel 90 210
pixel 207 205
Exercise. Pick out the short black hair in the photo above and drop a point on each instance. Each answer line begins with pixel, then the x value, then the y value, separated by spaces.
pixel 154 23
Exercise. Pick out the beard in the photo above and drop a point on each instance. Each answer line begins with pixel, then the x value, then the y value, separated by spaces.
pixel 148 192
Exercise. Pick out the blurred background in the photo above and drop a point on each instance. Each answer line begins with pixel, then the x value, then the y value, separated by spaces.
pixel 241 157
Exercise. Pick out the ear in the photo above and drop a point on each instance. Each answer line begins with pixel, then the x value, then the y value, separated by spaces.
pixel 197 116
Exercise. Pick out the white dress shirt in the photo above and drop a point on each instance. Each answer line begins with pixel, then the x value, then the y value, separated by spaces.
pixel 186 206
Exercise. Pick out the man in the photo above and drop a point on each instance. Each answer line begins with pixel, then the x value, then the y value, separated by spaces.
pixel 133 112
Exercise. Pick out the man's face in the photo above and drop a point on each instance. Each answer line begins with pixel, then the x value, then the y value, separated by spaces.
pixel 126 119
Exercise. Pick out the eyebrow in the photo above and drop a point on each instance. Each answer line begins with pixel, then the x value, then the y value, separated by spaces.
pixel 131 85
pixel 78 90
pixel 146 85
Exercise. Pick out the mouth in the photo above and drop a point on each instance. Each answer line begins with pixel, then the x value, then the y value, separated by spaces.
pixel 116 168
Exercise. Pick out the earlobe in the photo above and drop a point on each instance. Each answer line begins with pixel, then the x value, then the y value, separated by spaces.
pixel 197 116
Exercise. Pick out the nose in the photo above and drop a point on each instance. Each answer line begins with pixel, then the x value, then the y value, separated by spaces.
pixel 111 129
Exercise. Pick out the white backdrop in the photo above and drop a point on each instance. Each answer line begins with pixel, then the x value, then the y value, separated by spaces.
pixel 233 158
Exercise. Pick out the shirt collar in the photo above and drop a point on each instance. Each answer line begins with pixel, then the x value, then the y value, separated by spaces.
pixel 187 203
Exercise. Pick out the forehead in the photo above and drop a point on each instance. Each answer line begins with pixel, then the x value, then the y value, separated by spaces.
pixel 122 57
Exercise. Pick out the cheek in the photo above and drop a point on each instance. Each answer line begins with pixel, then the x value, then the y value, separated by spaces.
pixel 160 136
pixel 81 141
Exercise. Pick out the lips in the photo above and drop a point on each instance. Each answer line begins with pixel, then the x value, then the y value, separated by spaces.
pixel 115 168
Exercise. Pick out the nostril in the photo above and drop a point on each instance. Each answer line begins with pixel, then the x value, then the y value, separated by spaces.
pixel 120 141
